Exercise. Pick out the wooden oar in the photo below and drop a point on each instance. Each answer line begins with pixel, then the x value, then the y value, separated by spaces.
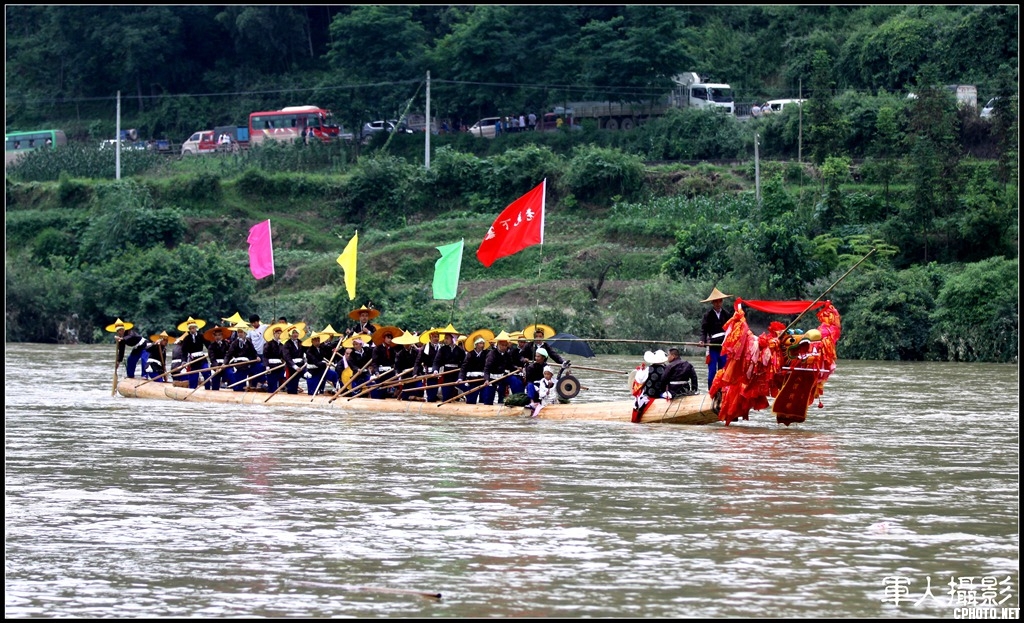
pixel 399 380
pixel 219 369
pixel 486 383
pixel 171 373
pixel 256 376
pixel 283 385
pixel 391 382
pixel 344 390
pixel 621 340
pixel 574 366
pixel 113 390
pixel 828 290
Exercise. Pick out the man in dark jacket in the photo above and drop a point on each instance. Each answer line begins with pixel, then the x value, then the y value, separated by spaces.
pixel 680 377
pixel 712 331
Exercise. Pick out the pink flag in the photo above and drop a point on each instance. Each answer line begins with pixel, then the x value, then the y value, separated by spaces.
pixel 261 252
pixel 518 226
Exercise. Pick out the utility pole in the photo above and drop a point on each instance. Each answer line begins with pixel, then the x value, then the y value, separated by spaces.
pixel 117 145
pixel 800 134
pixel 428 128
pixel 757 173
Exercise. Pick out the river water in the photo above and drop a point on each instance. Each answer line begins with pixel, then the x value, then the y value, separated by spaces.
pixel 899 498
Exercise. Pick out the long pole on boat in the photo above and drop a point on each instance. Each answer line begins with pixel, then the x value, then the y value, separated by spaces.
pixel 113 390
pixel 345 389
pixel 181 367
pixel 330 364
pixel 483 385
pixel 216 371
pixel 811 306
pixel 257 375
pixel 286 381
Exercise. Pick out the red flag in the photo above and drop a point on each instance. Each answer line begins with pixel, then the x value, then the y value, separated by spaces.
pixel 518 226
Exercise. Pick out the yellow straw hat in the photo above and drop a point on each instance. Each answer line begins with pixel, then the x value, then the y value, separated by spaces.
pixel 350 342
pixel 406 339
pixel 315 336
pixel 425 336
pixel 156 337
pixel 234 319
pixel 378 335
pixel 329 330
pixel 502 337
pixel 300 326
pixel 529 331
pixel 268 333
pixel 119 324
pixel 716 295
pixel 486 334
pixel 199 322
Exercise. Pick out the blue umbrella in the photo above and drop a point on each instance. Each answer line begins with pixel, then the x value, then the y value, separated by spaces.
pixel 570 345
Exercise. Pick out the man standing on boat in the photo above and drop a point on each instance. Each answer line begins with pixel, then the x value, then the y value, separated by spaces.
pixel 447 364
pixel 294 356
pixel 680 377
pixel 241 350
pixel 497 369
pixel 471 375
pixel 363 316
pixel 712 330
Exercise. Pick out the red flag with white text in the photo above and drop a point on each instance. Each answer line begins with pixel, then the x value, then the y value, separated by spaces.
pixel 520 225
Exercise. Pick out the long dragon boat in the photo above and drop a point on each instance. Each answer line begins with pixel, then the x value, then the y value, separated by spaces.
pixel 683 410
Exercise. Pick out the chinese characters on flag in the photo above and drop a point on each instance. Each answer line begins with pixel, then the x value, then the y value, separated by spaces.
pixel 520 225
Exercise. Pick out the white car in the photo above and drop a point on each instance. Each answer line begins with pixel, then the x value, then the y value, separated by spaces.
pixel 485 127
pixel 989 109
pixel 773 106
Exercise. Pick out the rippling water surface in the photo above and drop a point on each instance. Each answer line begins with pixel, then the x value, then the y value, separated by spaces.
pixel 120 507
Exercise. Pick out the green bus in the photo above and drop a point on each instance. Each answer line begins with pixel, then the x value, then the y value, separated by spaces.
pixel 17 144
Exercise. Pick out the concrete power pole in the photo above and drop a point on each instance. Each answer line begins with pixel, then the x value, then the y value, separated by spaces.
pixel 428 128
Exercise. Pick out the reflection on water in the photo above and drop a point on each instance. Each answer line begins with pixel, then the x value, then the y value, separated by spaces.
pixel 128 508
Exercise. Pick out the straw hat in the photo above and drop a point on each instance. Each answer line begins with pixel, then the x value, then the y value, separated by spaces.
pixel 378 335
pixel 449 329
pixel 234 319
pixel 406 338
pixel 502 337
pixel 486 334
pixel 315 336
pixel 329 331
pixel 242 326
pixel 716 295
pixel 425 336
pixel 354 314
pixel 119 324
pixel 209 336
pixel 461 339
pixel 656 357
pixel 268 333
pixel 156 337
pixel 300 326
pixel 350 342
pixel 517 335
pixel 199 322
pixel 529 331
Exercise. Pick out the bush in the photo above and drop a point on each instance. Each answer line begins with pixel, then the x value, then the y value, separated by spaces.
pixel 598 174
pixel 977 313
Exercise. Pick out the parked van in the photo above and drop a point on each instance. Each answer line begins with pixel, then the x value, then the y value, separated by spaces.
pixel 773 106
pixel 485 127
pixel 199 143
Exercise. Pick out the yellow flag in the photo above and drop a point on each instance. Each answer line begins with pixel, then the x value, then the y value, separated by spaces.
pixel 347 260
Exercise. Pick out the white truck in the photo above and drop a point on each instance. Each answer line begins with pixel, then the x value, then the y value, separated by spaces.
pixel 689 92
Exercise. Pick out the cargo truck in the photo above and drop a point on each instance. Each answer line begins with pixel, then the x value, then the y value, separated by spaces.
pixel 689 91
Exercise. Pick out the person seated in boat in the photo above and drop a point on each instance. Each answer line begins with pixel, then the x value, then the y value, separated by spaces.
pixel 362 316
pixel 273 358
pixel 654 384
pixel 471 374
pixel 405 366
pixel 177 357
pixel 448 366
pixel 383 367
pixel 521 348
pixel 357 360
pixel 498 369
pixel 193 349
pixel 217 352
pixel 535 374
pixel 680 377
pixel 318 372
pixel 127 338
pixel 294 356
pixel 157 350
pixel 242 350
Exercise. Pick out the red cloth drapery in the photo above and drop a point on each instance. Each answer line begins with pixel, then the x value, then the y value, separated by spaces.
pixel 781 307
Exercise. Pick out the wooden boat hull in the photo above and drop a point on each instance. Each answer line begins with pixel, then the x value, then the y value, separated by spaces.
pixel 684 410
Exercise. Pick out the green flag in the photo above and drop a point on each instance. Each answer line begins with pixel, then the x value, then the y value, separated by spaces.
pixel 446 270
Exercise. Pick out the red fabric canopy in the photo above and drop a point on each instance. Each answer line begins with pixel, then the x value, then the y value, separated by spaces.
pixel 781 307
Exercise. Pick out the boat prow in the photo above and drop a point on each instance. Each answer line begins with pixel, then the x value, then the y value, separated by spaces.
pixel 684 410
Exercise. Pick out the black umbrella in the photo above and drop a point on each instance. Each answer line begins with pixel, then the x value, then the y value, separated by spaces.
pixel 570 345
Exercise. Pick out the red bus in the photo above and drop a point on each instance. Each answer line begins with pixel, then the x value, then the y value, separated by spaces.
pixel 289 123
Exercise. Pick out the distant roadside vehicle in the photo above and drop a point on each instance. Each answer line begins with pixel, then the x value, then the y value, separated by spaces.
pixel 202 142
pixel 373 127
pixel 773 106
pixel 989 109
pixel 485 127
